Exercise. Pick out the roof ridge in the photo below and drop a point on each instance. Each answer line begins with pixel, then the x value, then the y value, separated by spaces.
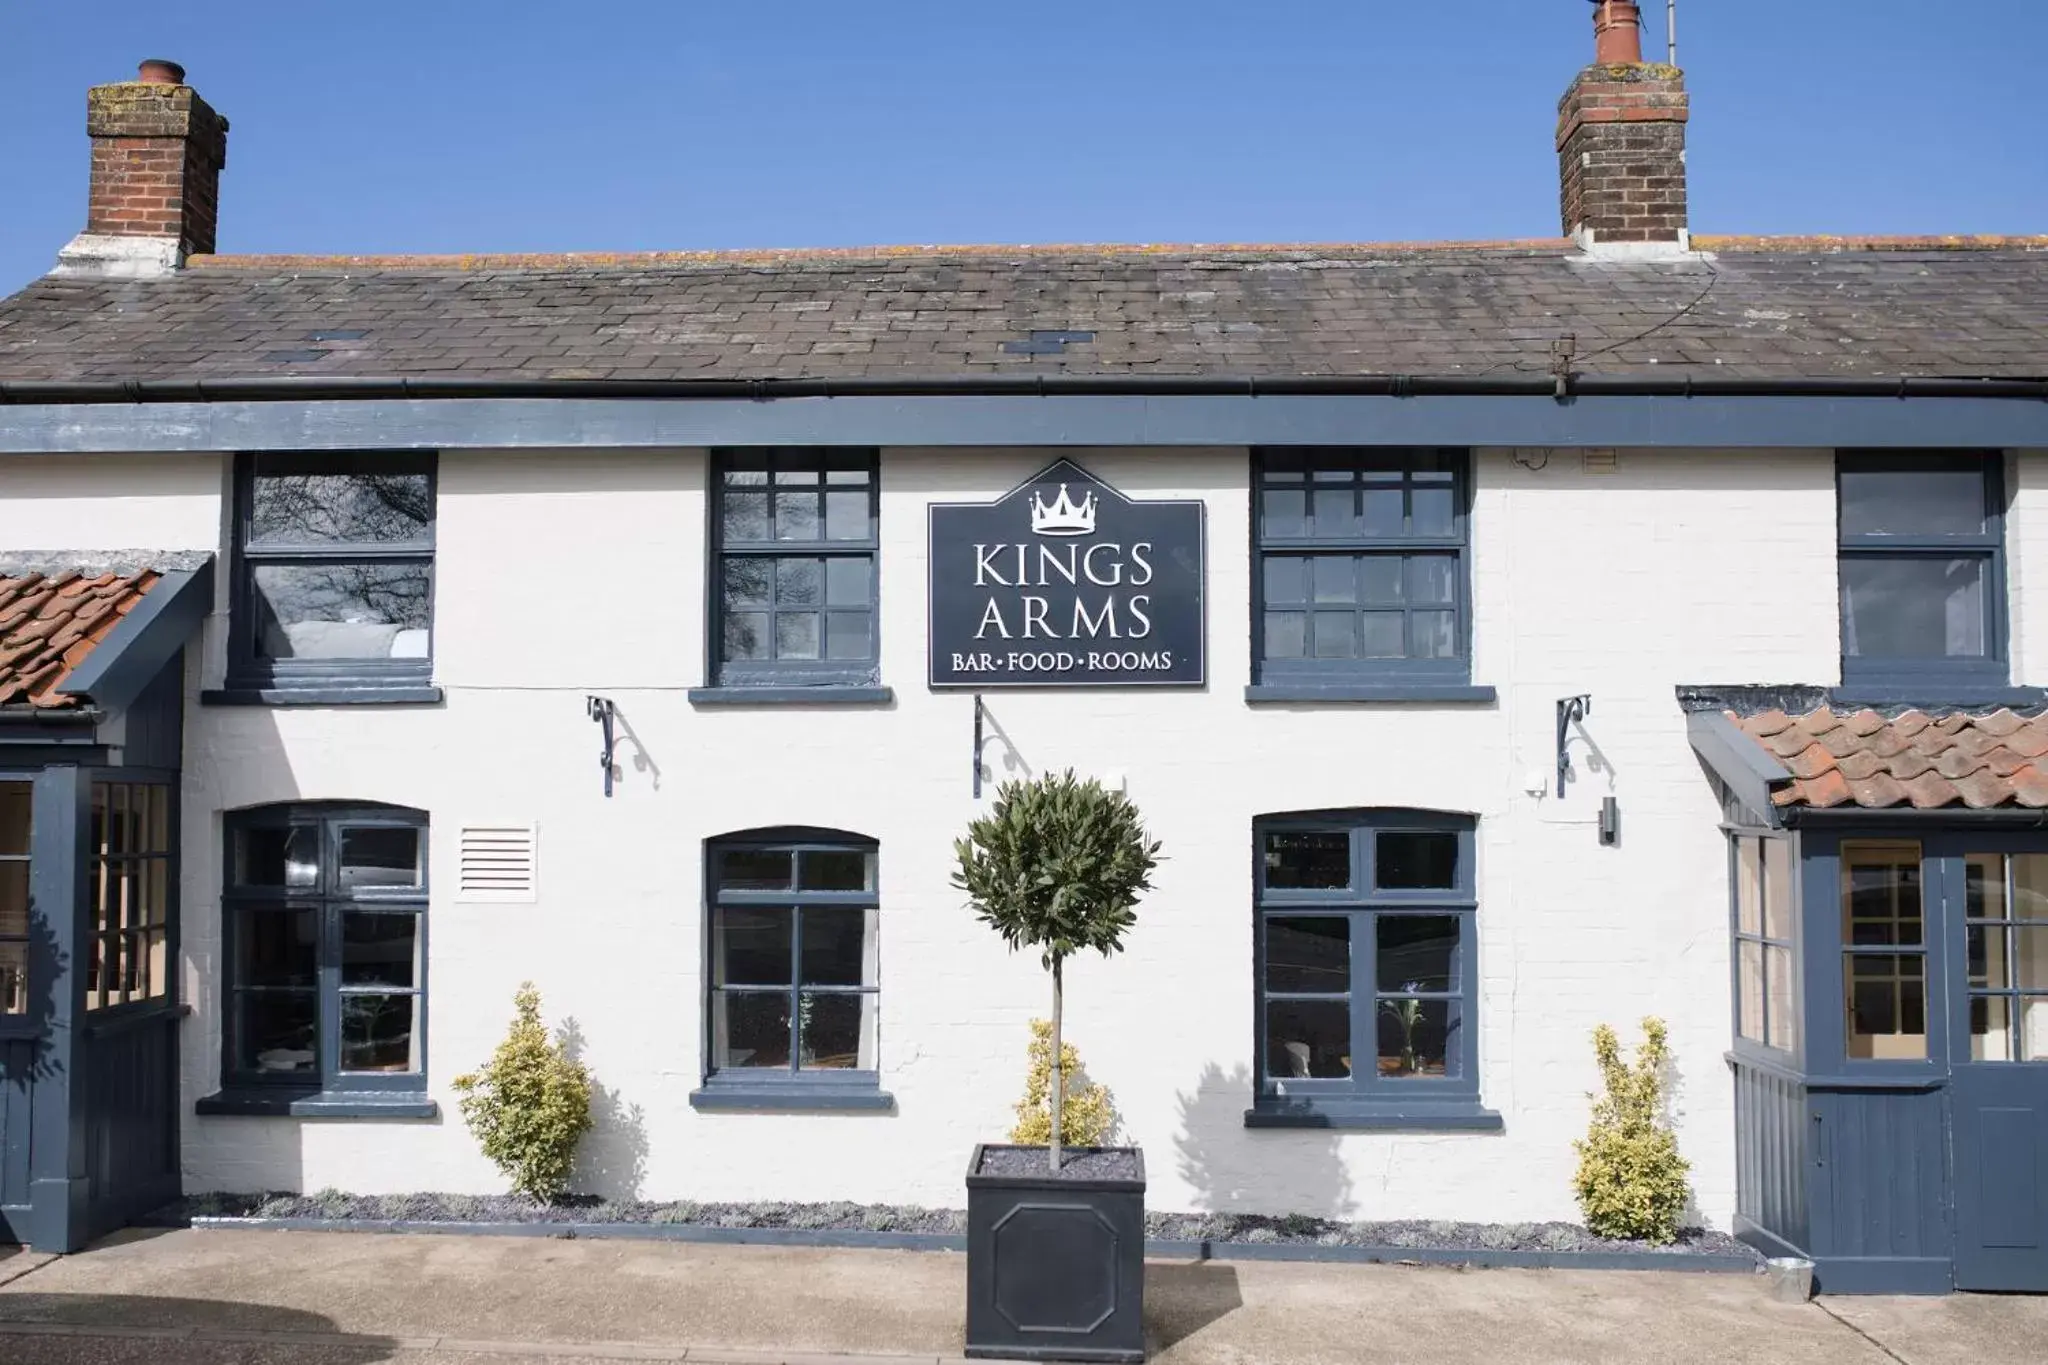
pixel 503 260
pixel 515 260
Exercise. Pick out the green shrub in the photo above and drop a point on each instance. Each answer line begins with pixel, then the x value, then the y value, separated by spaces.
pixel 530 1105
pixel 1057 865
pixel 1087 1118
pixel 1631 1179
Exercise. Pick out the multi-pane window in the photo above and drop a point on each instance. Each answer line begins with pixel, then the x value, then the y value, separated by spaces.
pixel 325 944
pixel 1765 1008
pixel 1884 950
pixel 795 974
pixel 2005 901
pixel 1361 564
pixel 129 894
pixel 334 563
pixel 795 544
pixel 1922 569
pixel 1366 957
pixel 16 826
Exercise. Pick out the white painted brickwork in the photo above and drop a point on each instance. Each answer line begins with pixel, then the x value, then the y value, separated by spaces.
pixel 572 573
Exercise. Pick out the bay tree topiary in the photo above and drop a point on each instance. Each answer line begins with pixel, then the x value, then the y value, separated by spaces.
pixel 1057 864
pixel 530 1104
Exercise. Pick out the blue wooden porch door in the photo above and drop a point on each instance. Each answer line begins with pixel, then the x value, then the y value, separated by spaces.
pixel 1995 895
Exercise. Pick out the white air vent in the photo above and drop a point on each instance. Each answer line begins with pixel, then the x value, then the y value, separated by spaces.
pixel 499 863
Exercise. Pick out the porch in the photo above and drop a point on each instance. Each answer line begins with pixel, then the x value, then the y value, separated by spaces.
pixel 91 703
pixel 1890 984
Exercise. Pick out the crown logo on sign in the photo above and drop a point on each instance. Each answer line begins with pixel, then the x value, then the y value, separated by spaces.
pixel 1064 517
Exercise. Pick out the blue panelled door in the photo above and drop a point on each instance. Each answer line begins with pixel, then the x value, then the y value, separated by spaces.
pixel 1998 1090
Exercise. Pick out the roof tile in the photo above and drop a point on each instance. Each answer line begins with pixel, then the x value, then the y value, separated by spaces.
pixel 1866 760
pixel 49 624
pixel 2030 787
pixel 2000 723
pixel 1768 311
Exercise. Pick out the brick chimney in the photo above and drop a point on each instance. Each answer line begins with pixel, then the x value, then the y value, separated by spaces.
pixel 1621 141
pixel 157 154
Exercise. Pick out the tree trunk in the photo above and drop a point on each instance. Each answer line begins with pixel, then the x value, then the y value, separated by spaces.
pixel 1059 1080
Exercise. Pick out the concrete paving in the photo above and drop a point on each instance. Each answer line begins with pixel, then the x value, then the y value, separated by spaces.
pixel 281 1298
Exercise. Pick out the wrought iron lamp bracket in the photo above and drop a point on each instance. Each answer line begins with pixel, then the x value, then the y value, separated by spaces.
pixel 601 710
pixel 1570 710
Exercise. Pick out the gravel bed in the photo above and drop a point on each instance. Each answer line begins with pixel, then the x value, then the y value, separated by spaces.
pixel 1082 1163
pixel 1294 1229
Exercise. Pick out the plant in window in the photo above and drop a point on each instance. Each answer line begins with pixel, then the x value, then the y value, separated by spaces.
pixel 1631 1179
pixel 1406 1013
pixel 530 1105
pixel 1057 865
pixel 1087 1115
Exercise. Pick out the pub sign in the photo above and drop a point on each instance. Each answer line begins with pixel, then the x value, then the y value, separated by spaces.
pixel 1065 582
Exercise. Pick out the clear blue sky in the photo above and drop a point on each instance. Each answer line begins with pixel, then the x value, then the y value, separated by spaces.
pixel 514 125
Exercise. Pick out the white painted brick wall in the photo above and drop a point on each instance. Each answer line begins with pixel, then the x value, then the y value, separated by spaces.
pixel 564 574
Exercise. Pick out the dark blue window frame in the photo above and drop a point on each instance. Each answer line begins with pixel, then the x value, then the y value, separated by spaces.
pixel 1946 921
pixel 119 872
pixel 1365 1099
pixel 1927 678
pixel 1277 476
pixel 1781 1002
pixel 253 677
pixel 792 1086
pixel 729 544
pixel 326 1085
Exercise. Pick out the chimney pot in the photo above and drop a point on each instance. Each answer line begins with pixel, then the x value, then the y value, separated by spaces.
pixel 1617 32
pixel 157 71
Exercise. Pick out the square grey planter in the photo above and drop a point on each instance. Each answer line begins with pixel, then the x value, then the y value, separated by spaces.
pixel 1056 1263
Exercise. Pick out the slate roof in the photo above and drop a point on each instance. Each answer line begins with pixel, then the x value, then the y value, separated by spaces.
pixel 1745 309
pixel 1861 758
pixel 49 623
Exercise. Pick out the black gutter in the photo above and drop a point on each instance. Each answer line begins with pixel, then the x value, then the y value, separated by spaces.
pixel 309 388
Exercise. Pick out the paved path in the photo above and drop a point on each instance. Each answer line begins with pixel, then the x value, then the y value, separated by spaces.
pixel 276 1298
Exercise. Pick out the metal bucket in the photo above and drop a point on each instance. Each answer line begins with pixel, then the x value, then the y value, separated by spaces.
pixel 1791 1278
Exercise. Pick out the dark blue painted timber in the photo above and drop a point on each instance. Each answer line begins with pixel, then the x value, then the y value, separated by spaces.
pixel 17 1093
pixel 154 726
pixel 131 1130
pixel 1878 1192
pixel 1071 420
pixel 1772 1132
pixel 1854 1179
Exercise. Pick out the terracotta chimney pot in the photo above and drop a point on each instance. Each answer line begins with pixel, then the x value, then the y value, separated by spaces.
pixel 1617 32
pixel 157 71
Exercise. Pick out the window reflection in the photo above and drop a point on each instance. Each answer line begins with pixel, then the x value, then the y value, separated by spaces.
pixel 1913 608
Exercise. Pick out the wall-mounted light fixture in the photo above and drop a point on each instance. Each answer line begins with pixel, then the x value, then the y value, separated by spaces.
pixel 1610 822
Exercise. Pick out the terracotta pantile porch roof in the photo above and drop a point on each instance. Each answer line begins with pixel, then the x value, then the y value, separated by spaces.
pixel 1914 760
pixel 49 623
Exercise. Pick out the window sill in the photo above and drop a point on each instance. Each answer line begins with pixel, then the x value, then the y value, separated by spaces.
pixel 793 1098
pixel 334 1104
pixel 832 695
pixel 1421 1116
pixel 370 695
pixel 1934 693
pixel 1464 694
